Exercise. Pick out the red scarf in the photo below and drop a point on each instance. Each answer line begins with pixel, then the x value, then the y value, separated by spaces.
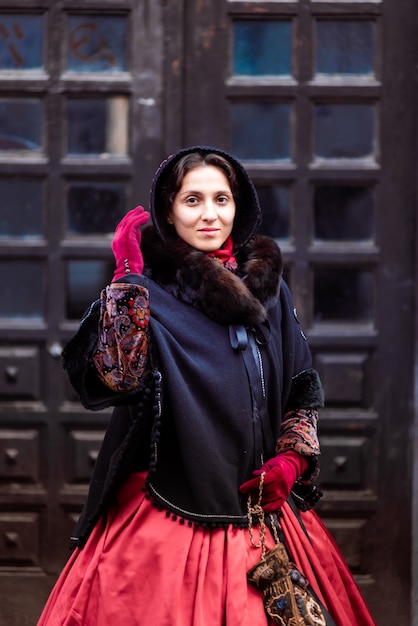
pixel 225 255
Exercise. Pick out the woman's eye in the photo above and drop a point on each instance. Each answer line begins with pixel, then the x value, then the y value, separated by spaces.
pixel 191 200
pixel 222 199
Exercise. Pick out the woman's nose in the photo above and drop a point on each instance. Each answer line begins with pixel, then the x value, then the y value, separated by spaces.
pixel 209 210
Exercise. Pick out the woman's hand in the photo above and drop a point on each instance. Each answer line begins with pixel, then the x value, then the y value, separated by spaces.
pixel 126 244
pixel 280 474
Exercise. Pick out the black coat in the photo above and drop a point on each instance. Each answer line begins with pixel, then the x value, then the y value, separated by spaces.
pixel 194 422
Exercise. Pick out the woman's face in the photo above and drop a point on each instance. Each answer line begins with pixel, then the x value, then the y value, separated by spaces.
pixel 203 210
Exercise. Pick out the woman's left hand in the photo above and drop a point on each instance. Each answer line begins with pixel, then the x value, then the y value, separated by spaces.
pixel 280 473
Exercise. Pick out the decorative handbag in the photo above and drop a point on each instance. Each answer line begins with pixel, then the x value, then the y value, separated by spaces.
pixel 287 598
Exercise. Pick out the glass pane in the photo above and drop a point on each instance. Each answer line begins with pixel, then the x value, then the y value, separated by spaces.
pixel 21 207
pixel 22 294
pixel 98 126
pixel 345 47
pixel 343 295
pixel 97 43
pixel 275 207
pixel 261 130
pixel 20 125
pixel 21 42
pixel 344 213
pixel 94 208
pixel 262 48
pixel 344 130
pixel 85 280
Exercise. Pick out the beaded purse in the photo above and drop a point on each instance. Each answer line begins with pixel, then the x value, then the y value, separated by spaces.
pixel 286 595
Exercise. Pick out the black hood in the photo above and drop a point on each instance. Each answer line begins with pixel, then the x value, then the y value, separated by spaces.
pixel 248 212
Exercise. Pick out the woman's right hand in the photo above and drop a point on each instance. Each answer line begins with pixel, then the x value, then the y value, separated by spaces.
pixel 126 244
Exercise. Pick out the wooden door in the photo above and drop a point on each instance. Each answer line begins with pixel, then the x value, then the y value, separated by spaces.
pixel 80 135
pixel 318 100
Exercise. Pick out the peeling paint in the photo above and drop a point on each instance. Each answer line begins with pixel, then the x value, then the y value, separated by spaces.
pixel 175 67
pixel 208 35
pixel 199 6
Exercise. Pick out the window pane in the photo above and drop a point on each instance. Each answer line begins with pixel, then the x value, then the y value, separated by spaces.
pixel 262 48
pixel 94 208
pixel 20 125
pixel 21 42
pixel 344 130
pixel 345 47
pixel 21 203
pixel 344 213
pixel 97 43
pixel 85 280
pixel 261 130
pixel 343 295
pixel 98 126
pixel 275 207
pixel 22 294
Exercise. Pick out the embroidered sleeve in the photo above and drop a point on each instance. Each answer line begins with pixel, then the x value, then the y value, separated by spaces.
pixel 121 354
pixel 298 432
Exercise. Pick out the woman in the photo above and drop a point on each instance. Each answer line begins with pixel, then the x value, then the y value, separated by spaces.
pixel 197 346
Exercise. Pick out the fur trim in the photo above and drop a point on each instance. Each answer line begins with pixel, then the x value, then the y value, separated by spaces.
pixel 81 344
pixel 306 391
pixel 263 269
pixel 198 280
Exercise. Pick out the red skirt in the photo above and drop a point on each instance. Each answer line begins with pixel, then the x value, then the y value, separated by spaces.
pixel 140 568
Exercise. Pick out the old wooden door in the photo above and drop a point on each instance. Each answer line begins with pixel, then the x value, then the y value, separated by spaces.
pixel 318 99
pixel 80 86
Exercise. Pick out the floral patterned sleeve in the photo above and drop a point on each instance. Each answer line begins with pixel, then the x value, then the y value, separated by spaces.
pixel 121 353
pixel 298 432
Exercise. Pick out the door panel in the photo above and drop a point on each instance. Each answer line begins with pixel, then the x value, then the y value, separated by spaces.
pixel 318 100
pixel 80 113
pixel 317 116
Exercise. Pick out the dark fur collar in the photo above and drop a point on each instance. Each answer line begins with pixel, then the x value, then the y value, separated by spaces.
pixel 196 279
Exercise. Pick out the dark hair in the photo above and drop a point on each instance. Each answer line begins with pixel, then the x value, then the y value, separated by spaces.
pixel 189 162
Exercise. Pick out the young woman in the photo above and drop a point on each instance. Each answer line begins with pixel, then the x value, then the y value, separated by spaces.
pixel 197 346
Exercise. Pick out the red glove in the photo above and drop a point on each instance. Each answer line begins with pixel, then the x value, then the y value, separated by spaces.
pixel 280 474
pixel 126 244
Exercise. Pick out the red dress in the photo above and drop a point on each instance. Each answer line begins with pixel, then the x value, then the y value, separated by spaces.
pixel 140 568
